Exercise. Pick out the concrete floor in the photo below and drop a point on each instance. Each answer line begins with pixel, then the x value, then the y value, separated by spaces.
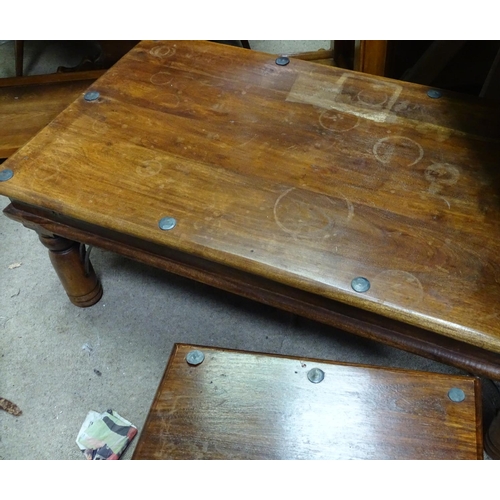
pixel 51 353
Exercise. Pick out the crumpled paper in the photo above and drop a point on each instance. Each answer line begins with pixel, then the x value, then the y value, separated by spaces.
pixel 105 436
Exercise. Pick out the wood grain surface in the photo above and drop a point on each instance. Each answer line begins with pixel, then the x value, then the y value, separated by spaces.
pixel 302 174
pixel 237 405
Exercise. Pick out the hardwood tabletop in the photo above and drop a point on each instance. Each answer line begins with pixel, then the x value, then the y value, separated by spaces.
pixel 307 175
pixel 241 405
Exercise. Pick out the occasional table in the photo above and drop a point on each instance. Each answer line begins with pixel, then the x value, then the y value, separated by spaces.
pixel 365 203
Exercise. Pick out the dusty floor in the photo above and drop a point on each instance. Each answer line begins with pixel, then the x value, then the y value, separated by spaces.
pixel 57 361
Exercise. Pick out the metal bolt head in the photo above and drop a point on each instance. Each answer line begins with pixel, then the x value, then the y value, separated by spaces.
pixel 6 174
pixel 456 395
pixel 315 375
pixel 434 94
pixel 282 61
pixel 167 223
pixel 360 284
pixel 93 95
pixel 195 357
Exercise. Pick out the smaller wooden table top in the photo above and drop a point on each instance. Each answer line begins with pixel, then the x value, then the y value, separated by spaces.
pixel 237 405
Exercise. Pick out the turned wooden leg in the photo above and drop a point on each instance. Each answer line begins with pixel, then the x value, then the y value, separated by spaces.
pixel 492 439
pixel 75 272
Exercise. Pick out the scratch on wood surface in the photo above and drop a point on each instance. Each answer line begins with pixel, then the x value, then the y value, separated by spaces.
pixel 161 78
pixel 441 175
pixel 385 149
pixel 337 121
pixel 303 213
pixel 399 287
pixel 443 269
pixel 161 51
pixel 446 201
pixel 249 140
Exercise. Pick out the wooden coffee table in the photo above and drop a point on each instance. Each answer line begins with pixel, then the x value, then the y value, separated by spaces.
pixel 361 202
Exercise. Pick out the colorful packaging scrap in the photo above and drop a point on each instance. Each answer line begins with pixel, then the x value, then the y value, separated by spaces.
pixel 105 436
